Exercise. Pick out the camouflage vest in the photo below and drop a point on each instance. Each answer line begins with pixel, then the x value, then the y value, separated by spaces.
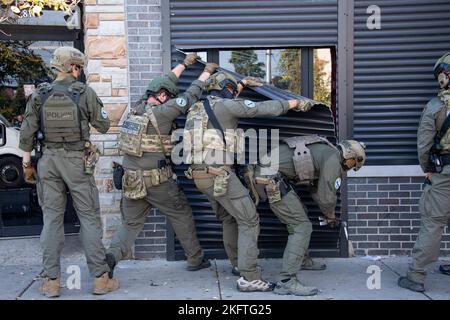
pixel 303 162
pixel 198 138
pixel 444 95
pixel 134 140
pixel 61 117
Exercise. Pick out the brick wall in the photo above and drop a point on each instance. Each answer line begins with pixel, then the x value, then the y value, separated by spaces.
pixel 144 44
pixel 383 215
pixel 151 242
pixel 145 63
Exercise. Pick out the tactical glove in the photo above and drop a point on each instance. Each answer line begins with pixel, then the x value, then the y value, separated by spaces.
pixel 211 67
pixel 304 105
pixel 251 82
pixel 30 174
pixel 190 59
pixel 331 220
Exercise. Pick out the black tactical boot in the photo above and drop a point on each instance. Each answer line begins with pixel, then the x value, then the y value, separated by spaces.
pixel 204 264
pixel 445 269
pixel 111 261
pixel 406 283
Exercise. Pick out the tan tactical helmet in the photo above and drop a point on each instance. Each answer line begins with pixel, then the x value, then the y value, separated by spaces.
pixel 219 80
pixel 352 149
pixel 441 70
pixel 64 57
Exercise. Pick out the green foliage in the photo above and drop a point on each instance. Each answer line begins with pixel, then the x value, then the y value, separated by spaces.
pixel 246 63
pixel 33 8
pixel 322 81
pixel 290 67
pixel 19 63
pixel 6 104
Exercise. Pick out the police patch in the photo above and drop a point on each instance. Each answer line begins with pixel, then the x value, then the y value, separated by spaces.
pixel 104 114
pixel 337 183
pixel 181 102
pixel 249 104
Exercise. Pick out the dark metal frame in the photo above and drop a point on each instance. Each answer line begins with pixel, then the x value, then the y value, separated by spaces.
pixel 345 95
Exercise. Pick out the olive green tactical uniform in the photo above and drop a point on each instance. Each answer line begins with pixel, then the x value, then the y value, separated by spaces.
pixel 235 208
pixel 326 173
pixel 435 201
pixel 62 165
pixel 160 192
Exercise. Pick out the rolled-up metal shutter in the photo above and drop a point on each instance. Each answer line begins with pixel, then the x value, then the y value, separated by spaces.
pixel 393 74
pixel 242 24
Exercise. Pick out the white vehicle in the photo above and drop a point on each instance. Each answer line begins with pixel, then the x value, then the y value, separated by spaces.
pixel 11 173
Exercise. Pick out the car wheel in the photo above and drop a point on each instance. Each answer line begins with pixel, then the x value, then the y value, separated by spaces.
pixel 11 173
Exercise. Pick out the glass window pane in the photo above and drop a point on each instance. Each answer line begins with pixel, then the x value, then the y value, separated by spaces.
pixel 287 73
pixel 322 75
pixel 280 67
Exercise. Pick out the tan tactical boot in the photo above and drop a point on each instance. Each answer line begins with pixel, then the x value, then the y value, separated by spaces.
pixel 50 288
pixel 103 284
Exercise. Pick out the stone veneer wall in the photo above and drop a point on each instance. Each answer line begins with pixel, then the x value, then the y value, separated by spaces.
pixel 107 74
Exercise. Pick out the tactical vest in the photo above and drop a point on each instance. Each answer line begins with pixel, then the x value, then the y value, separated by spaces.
pixel 303 162
pixel 198 138
pixel 60 113
pixel 444 96
pixel 134 140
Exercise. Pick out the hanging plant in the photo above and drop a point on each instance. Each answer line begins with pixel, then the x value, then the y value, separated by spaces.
pixel 10 9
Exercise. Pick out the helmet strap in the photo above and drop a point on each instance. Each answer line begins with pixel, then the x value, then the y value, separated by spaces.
pixel 444 80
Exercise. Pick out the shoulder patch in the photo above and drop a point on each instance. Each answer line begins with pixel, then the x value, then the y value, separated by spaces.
pixel 181 102
pixel 337 183
pixel 104 113
pixel 249 104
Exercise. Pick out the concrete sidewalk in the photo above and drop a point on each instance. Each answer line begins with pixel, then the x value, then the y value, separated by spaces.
pixel 20 264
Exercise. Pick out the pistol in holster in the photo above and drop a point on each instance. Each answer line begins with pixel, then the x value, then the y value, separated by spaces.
pixel 91 156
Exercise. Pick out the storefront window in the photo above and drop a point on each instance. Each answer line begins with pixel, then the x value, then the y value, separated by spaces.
pixel 24 65
pixel 283 68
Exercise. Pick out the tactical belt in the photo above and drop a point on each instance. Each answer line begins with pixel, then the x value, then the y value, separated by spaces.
pixel 209 172
pixel 155 177
pixel 263 181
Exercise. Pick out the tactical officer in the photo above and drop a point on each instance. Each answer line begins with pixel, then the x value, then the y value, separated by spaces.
pixel 433 146
pixel 148 180
pixel 59 115
pixel 316 163
pixel 211 144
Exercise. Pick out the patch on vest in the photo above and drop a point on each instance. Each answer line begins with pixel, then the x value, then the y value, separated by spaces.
pixel 181 102
pixel 104 113
pixel 132 128
pixel 337 183
pixel 249 104
pixel 61 114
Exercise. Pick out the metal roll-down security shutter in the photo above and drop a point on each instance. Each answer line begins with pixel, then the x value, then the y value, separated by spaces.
pixel 393 74
pixel 204 25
